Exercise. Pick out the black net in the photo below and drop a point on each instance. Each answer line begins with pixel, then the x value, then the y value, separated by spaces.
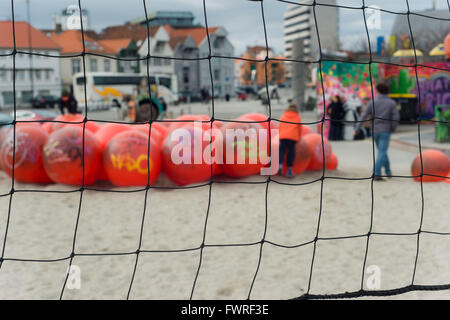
pixel 214 181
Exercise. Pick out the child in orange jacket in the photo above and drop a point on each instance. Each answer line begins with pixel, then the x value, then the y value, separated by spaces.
pixel 289 135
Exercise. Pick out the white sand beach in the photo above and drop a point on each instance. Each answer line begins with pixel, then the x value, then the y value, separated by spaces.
pixel 42 226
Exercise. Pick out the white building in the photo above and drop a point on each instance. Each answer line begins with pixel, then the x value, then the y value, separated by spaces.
pixel 71 43
pixel 299 23
pixel 159 46
pixel 35 75
pixel 69 19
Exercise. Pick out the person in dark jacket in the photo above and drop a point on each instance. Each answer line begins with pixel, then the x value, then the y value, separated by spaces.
pixel 336 113
pixel 68 102
pixel 386 120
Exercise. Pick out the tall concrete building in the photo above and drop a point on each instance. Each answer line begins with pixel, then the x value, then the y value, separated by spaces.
pixel 299 23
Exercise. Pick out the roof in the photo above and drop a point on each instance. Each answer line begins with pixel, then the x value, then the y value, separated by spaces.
pixel 133 31
pixel 174 41
pixel 21 30
pixel 197 33
pixel 115 44
pixel 171 14
pixel 407 53
pixel 71 41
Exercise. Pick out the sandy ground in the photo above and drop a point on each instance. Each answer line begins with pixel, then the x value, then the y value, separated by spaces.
pixel 42 227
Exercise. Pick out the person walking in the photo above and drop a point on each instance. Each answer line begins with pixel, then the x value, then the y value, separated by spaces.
pixel 289 133
pixel 385 122
pixel 336 113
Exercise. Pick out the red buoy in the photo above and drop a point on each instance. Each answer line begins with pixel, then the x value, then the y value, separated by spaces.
pixel 187 154
pixel 187 119
pixel 314 142
pixel 435 162
pixel 126 161
pixel 77 118
pixel 250 117
pixel 238 154
pixel 108 131
pixel 156 134
pixel 332 163
pixel 306 130
pixel 63 154
pixel 302 156
pixel 28 165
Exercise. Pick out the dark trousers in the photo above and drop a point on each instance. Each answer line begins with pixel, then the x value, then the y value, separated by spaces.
pixel 287 145
pixel 336 130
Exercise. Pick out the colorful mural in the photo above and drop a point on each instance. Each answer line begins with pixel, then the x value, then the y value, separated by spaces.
pixel 348 80
pixel 434 84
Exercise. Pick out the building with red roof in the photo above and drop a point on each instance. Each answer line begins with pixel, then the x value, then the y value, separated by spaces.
pixel 36 73
pixel 191 44
pixel 71 43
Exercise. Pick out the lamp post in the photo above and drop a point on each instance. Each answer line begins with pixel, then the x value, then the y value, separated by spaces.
pixel 30 48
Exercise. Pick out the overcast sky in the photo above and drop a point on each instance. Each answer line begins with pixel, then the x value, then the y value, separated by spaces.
pixel 241 18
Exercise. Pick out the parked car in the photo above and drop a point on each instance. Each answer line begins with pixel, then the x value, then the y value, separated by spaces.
pixel 45 101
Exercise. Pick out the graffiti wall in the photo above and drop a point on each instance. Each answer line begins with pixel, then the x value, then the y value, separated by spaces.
pixel 350 81
pixel 434 84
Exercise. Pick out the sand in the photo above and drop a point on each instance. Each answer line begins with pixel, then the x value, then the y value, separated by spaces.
pixel 42 226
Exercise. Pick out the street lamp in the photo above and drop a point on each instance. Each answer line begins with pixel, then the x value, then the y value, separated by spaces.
pixel 30 48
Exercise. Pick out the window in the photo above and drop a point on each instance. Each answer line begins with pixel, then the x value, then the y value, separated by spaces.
pixel 167 62
pixel 76 67
pixel 93 65
pixel 20 75
pixel 158 62
pixel 166 82
pixel 101 81
pixel 27 96
pixel 185 74
pixel 217 74
pixel 3 75
pixel 38 74
pixel 47 74
pixel 159 46
pixel 8 97
pixel 80 81
pixel 107 65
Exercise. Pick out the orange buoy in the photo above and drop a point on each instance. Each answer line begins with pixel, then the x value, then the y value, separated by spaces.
pixel 332 163
pixel 187 154
pixel 238 154
pixel 103 135
pixel 108 131
pixel 188 119
pixel 28 165
pixel 258 117
pixel 435 162
pixel 77 118
pixel 126 161
pixel 63 155
pixel 302 156
pixel 156 134
pixel 314 142
pixel 306 130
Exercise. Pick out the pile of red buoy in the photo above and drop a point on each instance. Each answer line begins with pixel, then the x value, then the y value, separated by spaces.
pixel 188 150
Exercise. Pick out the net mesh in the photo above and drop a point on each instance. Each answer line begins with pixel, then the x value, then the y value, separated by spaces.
pixel 264 241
